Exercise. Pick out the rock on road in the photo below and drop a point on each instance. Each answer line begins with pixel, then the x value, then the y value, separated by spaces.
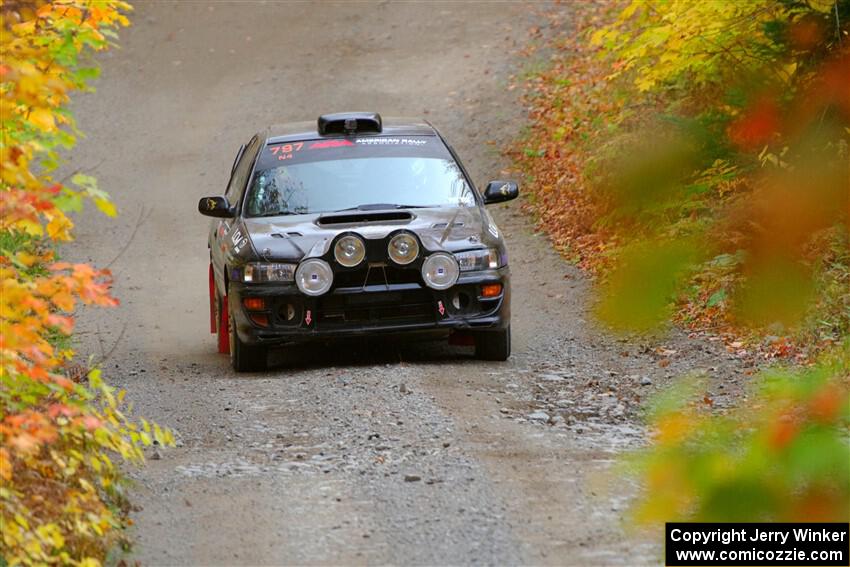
pixel 364 452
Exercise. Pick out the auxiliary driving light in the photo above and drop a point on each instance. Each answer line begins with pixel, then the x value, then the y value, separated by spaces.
pixel 349 251
pixel 403 248
pixel 440 270
pixel 314 277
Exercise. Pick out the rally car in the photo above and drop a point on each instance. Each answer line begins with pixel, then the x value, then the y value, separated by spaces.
pixel 354 225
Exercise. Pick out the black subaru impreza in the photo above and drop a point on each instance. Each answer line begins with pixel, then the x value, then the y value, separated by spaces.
pixel 351 226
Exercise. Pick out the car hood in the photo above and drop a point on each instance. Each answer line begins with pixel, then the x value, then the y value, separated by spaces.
pixel 291 238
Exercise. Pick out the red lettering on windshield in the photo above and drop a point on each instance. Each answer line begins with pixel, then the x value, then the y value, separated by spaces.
pixel 330 144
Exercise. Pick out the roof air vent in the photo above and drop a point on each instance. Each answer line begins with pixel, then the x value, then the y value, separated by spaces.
pixel 349 123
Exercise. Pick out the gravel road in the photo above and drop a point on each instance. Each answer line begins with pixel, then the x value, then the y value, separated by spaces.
pixel 364 452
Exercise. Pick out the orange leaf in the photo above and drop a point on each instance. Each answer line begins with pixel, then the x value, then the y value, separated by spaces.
pixel 63 300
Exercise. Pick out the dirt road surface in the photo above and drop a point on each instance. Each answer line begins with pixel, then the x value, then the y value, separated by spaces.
pixel 361 452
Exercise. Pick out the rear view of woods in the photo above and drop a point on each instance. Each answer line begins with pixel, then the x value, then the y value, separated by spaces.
pixel 696 157
pixel 62 496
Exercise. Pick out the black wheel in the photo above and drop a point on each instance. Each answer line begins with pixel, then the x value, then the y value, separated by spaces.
pixel 493 345
pixel 244 357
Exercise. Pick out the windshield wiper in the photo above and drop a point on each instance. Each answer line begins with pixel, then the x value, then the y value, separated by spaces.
pixel 382 207
pixel 277 214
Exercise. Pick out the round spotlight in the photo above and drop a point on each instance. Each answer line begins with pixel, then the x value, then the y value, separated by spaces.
pixel 403 248
pixel 440 270
pixel 349 251
pixel 314 277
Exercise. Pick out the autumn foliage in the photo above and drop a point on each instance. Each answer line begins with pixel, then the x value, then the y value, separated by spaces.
pixel 783 457
pixel 61 493
pixel 695 157
pixel 714 135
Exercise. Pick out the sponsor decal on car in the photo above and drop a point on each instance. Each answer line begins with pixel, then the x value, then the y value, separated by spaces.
pixel 391 141
pixel 330 144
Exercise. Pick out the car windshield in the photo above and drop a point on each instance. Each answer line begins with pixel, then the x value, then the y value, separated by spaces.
pixel 355 178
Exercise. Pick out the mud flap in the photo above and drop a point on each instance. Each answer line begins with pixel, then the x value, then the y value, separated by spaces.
pixel 223 329
pixel 213 322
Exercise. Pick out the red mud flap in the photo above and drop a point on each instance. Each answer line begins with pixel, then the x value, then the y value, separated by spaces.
pixel 223 337
pixel 213 322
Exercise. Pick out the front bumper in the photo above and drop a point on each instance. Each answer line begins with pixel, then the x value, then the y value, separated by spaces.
pixel 288 316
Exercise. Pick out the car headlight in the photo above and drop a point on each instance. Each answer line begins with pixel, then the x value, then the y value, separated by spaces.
pixel 440 270
pixel 314 277
pixel 350 251
pixel 487 258
pixel 262 273
pixel 403 248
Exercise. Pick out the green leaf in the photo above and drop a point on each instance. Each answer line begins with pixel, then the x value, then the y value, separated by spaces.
pixel 717 297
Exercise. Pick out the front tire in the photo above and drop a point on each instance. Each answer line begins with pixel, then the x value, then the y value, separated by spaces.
pixel 245 357
pixel 493 345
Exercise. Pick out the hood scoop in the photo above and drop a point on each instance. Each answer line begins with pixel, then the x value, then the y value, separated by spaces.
pixel 364 216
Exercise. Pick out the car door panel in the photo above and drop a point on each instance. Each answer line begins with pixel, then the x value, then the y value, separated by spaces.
pixel 226 238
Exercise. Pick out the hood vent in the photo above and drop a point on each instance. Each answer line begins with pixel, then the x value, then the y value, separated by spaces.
pixel 364 216
pixel 286 235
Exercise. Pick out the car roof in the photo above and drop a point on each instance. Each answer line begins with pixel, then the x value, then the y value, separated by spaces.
pixel 392 126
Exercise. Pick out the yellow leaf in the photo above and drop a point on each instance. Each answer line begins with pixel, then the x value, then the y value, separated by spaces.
pixel 24 28
pixel 22 521
pixel 26 258
pixel 95 379
pixel 630 9
pixel 54 534
pixel 59 227
pixel 106 206
pixel 30 227
pixel 822 5
pixel 790 69
pixel 43 119
pixel 597 36
pixel 5 465
pixel 644 83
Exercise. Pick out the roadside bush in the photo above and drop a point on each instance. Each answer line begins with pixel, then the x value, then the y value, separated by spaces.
pixel 61 495
pixel 735 197
pixel 784 456
pixel 696 158
pixel 722 127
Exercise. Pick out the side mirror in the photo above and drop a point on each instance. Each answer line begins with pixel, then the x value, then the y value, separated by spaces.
pixel 215 207
pixel 499 191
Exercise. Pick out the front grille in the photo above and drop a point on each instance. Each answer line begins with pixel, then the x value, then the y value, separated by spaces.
pixel 376 275
pixel 375 308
